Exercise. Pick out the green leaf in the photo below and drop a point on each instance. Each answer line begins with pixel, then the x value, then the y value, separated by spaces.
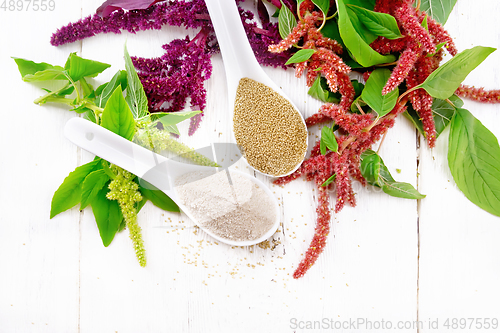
pixel 172 129
pixel 380 24
pixel 157 197
pixel 322 147
pixel 104 91
pixel 139 205
pixel 358 48
pixel 286 21
pixel 360 28
pixel 442 112
pixel 108 216
pixel 300 56
pixel 117 117
pixel 135 90
pixel 358 101
pixel 358 87
pixel 324 5
pixel 367 4
pixel 320 90
pixel 444 81
pixel 70 192
pixel 329 180
pixel 92 184
pixel 34 72
pixel 81 109
pixel 376 173
pixel 78 67
pixel 439 10
pixel 329 139
pixel 372 94
pixel 67 90
pixel 173 118
pixel 474 160
pixel 371 167
pixel 412 116
pixel 87 88
pixel 401 190
pixel 438 47
pixel 331 30
pixel 90 115
pixel 54 73
pixel 424 23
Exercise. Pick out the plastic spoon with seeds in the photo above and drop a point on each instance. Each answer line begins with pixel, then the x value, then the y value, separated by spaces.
pixel 267 126
pixel 170 177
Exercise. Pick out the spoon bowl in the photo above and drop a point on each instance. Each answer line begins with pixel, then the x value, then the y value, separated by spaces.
pixel 238 57
pixel 153 168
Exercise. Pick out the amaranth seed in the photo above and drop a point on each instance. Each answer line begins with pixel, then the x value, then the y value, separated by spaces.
pixel 269 130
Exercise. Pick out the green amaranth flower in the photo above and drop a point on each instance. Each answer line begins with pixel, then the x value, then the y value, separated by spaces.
pixel 158 140
pixel 124 190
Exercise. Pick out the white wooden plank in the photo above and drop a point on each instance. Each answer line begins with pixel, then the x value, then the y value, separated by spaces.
pixel 40 257
pixel 459 249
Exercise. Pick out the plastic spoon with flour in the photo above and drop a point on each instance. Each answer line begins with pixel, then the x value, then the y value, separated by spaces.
pixel 166 174
pixel 240 62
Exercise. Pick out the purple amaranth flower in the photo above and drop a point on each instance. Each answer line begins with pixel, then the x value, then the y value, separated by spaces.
pixel 190 14
pixel 178 75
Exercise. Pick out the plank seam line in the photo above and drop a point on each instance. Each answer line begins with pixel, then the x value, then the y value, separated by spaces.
pixel 418 227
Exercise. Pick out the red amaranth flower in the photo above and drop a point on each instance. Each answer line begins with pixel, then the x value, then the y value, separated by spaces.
pixel 306 6
pixel 427 116
pixel 407 17
pixel 352 123
pixel 403 67
pixel 347 91
pixel 343 182
pixel 440 35
pixel 479 94
pixel 317 118
pixel 296 34
pixel 385 46
pixel 320 235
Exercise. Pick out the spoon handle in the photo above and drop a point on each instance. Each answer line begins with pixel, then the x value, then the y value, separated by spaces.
pixel 119 151
pixel 237 54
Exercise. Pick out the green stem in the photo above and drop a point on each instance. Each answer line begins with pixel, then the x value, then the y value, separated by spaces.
pixel 323 23
pixel 332 16
pixel 93 107
pixel 298 12
pixel 407 92
pixel 381 142
pixel 78 95
pixel 387 64
pixel 46 97
pixel 450 102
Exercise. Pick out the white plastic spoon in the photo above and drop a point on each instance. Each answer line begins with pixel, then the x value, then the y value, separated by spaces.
pixel 153 168
pixel 237 54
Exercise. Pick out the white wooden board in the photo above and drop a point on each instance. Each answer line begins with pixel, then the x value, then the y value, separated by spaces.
pixel 57 277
